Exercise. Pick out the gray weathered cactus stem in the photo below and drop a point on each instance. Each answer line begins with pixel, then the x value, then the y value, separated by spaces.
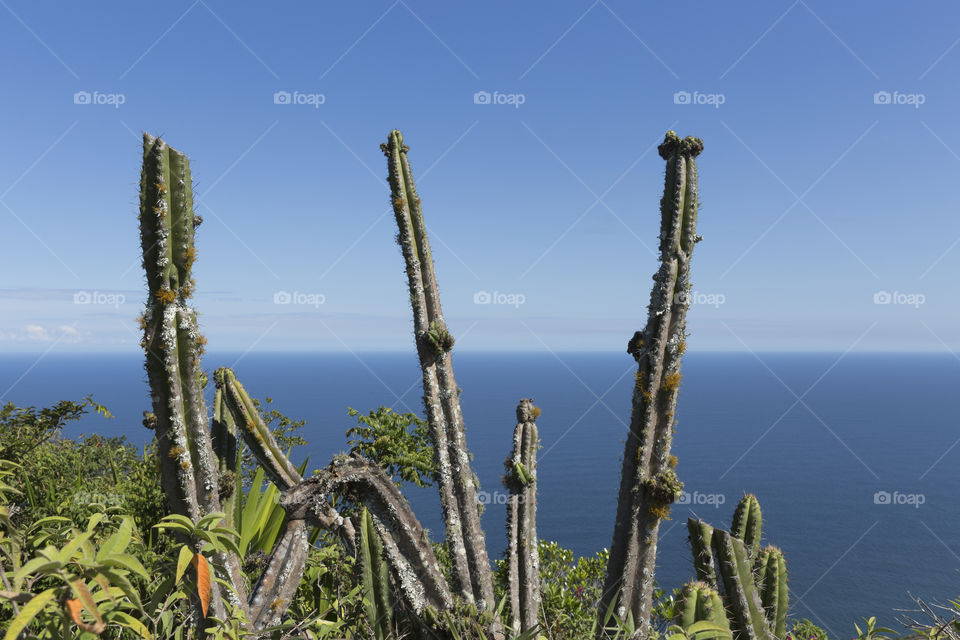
pixel 523 556
pixel 441 398
pixel 648 483
pixel 197 461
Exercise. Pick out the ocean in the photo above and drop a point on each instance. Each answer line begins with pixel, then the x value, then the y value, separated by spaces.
pixel 854 459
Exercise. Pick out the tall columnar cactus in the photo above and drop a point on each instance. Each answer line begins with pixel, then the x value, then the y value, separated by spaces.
pixel 441 397
pixel 523 557
pixel 200 464
pixel 755 590
pixel 648 483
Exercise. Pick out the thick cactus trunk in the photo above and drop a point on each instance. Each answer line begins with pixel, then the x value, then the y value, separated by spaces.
pixel 455 479
pixel 523 557
pixel 406 547
pixel 172 341
pixel 648 482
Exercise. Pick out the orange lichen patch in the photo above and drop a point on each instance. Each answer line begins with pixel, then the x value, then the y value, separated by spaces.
pixel 398 203
pixel 142 320
pixel 166 296
pixel 187 289
pixel 672 462
pixel 671 381
pixel 184 465
pixel 161 188
pixel 175 451
pixel 189 257
pixel 661 511
pixel 682 347
pixel 535 412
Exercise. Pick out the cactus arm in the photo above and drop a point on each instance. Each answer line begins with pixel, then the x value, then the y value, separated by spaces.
pixel 406 546
pixel 256 434
pixel 700 602
pixel 278 583
pixel 172 342
pixel 455 478
pixel 701 535
pixel 748 523
pixel 743 602
pixel 648 484
pixel 771 573
pixel 523 558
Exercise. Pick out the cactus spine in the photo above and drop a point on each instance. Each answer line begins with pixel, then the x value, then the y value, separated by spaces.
pixel 523 557
pixel 770 572
pixel 374 578
pixel 648 483
pixel 455 478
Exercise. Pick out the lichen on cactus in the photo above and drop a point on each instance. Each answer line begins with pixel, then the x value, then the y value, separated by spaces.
pixel 647 487
pixel 441 398
pixel 523 558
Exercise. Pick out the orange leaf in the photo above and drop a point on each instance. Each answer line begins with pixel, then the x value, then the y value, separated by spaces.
pixel 73 610
pixel 199 563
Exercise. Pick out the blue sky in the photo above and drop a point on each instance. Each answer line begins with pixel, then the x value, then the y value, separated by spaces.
pixel 828 180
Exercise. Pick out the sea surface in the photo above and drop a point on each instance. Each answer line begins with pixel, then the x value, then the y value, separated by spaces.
pixel 854 459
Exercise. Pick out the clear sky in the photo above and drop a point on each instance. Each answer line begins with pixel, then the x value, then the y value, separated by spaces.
pixel 828 179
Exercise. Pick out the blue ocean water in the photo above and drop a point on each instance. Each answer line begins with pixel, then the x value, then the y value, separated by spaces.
pixel 854 459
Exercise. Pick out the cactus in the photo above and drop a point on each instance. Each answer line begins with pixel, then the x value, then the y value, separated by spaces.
pixel 700 602
pixel 648 484
pixel 200 471
pixel 441 398
pixel 755 590
pixel 770 572
pixel 748 523
pixel 523 558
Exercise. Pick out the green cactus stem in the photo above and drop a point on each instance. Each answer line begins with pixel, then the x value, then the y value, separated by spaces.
pixel 701 541
pixel 748 617
pixel 700 602
pixel 374 577
pixel 748 523
pixel 455 479
pixel 770 571
pixel 657 351
pixel 523 558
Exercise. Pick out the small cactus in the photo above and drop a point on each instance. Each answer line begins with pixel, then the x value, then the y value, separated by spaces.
pixel 523 558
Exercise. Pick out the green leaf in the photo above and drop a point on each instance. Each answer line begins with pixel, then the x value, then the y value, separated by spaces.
pixel 126 561
pixel 67 552
pixel 36 565
pixel 131 623
pixel 119 541
pixel 29 612
pixel 186 555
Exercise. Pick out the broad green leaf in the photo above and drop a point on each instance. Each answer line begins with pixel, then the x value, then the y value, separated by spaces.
pixel 29 612
pixel 186 555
